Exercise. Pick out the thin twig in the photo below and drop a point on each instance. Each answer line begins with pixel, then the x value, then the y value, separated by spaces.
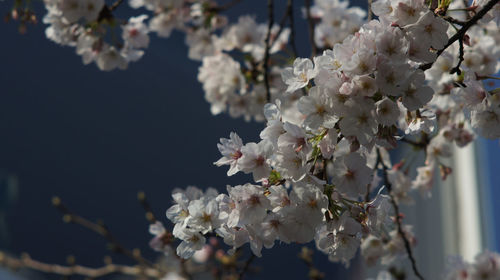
pixel 306 255
pixel 453 20
pixel 310 24
pixel 74 270
pixel 282 24
pixel 292 27
pixel 370 11
pixel 456 69
pixel 224 7
pixel 115 5
pixel 100 229
pixel 246 266
pixel 398 220
pixel 461 33
pixel 270 15
pixel 145 204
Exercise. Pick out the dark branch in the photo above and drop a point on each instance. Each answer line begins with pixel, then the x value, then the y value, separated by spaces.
pixel 456 69
pixel 453 20
pixel 461 33
pixel 100 229
pixel 145 204
pixel 292 28
pixel 370 12
pixel 398 220
pixel 310 24
pixel 306 255
pixel 224 7
pixel 270 15
pixel 246 266
pixel 77 270
pixel 281 24
pixel 115 5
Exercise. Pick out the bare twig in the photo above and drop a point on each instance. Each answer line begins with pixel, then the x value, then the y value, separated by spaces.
pixel 310 24
pixel 115 5
pixel 398 220
pixel 292 28
pixel 246 266
pixel 461 33
pixel 102 230
pixel 27 262
pixel 270 15
pixel 453 20
pixel 456 69
pixel 370 11
pixel 282 24
pixel 145 204
pixel 306 256
pixel 224 7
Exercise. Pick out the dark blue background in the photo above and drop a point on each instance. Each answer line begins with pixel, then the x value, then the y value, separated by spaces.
pixel 95 139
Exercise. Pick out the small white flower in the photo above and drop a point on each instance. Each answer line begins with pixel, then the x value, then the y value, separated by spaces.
pixel 231 152
pixel 298 76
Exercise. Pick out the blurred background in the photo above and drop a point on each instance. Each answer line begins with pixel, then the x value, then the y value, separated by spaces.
pixel 97 138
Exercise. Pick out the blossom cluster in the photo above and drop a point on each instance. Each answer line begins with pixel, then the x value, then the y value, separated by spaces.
pixel 486 265
pixel 317 168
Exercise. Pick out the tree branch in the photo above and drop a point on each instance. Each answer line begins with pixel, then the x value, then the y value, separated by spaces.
pixel 292 28
pixel 224 7
pixel 310 24
pixel 398 220
pixel 141 196
pixel 77 270
pixel 115 5
pixel 246 266
pixel 370 12
pixel 461 33
pixel 270 15
pixel 100 229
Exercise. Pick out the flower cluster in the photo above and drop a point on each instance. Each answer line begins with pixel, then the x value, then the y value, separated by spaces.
pixel 324 152
pixel 486 265
pixel 336 21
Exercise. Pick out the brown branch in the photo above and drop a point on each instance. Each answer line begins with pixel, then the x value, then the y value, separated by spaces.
pixel 456 69
pixel 77 270
pixel 102 230
pixel 270 15
pixel 370 11
pixel 398 220
pixel 224 7
pixel 282 24
pixel 310 24
pixel 453 20
pixel 306 256
pixel 461 33
pixel 246 266
pixel 115 5
pixel 292 28
pixel 141 196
